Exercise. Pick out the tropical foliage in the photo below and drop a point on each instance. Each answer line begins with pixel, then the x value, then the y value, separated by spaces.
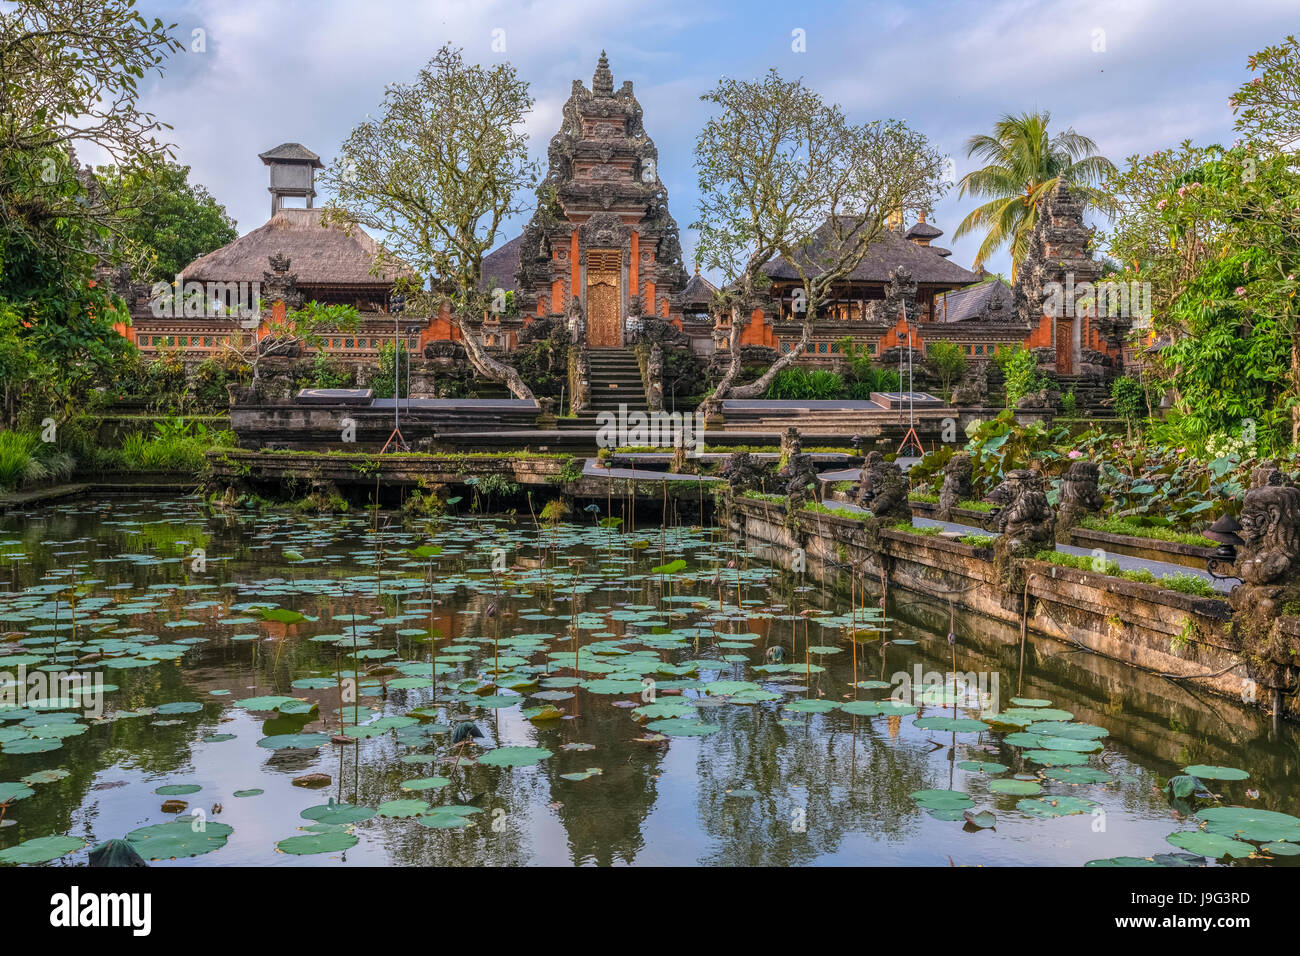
pixel 1024 164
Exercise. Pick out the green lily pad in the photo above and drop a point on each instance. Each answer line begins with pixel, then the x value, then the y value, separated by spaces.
pixel 182 838
pixel 514 756
pixel 1209 844
pixel 309 844
pixel 337 813
pixel 1056 806
pixel 1206 772
pixel 41 850
pixel 683 727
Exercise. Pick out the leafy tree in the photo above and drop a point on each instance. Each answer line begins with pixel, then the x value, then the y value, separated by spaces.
pixel 255 337
pixel 1020 371
pixel 1268 107
pixel 1232 359
pixel 437 172
pixel 948 360
pixel 170 219
pixel 69 75
pixel 1148 244
pixel 782 173
pixel 1024 164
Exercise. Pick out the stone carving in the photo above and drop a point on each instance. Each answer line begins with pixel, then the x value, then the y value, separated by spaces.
pixel 791 444
pixel 1268 563
pixel 882 489
pixel 1270 535
pixel 655 379
pixel 956 485
pixel 743 472
pixel 973 388
pixel 800 478
pixel 281 284
pixel 1079 495
pixel 1267 474
pixel 1026 522
pixel 576 320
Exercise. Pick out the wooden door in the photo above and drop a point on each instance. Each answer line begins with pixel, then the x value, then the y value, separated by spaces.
pixel 604 298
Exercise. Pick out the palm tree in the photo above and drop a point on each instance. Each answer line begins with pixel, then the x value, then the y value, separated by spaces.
pixel 1024 165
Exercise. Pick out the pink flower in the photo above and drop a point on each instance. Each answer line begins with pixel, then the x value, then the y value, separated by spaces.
pixel 1182 190
pixel 1241 290
pixel 1161 204
pixel 1256 81
pixel 1075 453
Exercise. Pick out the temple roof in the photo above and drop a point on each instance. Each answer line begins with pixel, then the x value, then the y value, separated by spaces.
pixel 974 301
pixel 321 255
pixel 291 153
pixel 500 265
pixel 923 230
pixel 886 254
pixel 698 291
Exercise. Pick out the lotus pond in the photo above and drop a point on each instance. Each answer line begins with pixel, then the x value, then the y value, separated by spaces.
pixel 632 705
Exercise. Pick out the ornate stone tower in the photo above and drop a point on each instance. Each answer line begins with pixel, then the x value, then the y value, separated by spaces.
pixel 602 234
pixel 1056 289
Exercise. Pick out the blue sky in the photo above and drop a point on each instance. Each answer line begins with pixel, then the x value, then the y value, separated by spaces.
pixel 275 71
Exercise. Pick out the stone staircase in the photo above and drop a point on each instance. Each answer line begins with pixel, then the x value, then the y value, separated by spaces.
pixel 615 379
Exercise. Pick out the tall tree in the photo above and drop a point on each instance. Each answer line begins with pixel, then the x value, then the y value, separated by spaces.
pixel 169 220
pixel 782 173
pixel 1024 164
pixel 437 171
pixel 69 75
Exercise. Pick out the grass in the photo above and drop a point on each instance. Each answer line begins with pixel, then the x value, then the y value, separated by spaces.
pixel 759 496
pixel 1180 582
pixel 977 540
pixel 1080 562
pixel 928 530
pixel 982 506
pixel 1134 530
pixel 25 459
pixel 1183 583
pixel 922 496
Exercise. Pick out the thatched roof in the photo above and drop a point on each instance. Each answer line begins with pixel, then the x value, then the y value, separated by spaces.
pixel 886 254
pixel 320 255
pixel 698 291
pixel 291 153
pixel 973 302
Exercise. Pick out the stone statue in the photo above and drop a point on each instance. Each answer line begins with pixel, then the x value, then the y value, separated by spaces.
pixel 1079 495
pixel 576 320
pixel 1268 563
pixel 1266 474
pixel 1270 535
pixel 791 444
pixel 743 472
pixel 800 477
pixel 882 489
pixel 655 377
pixel 1026 522
pixel 956 485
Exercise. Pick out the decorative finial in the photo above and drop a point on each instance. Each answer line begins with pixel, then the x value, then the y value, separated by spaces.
pixel 602 83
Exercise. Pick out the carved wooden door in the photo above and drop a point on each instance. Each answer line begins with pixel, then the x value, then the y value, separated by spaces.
pixel 1065 332
pixel 604 301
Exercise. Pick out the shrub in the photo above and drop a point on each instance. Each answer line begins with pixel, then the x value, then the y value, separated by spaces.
pixel 798 384
pixel 25 459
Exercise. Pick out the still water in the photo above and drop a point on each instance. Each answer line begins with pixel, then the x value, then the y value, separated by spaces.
pixel 676 699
